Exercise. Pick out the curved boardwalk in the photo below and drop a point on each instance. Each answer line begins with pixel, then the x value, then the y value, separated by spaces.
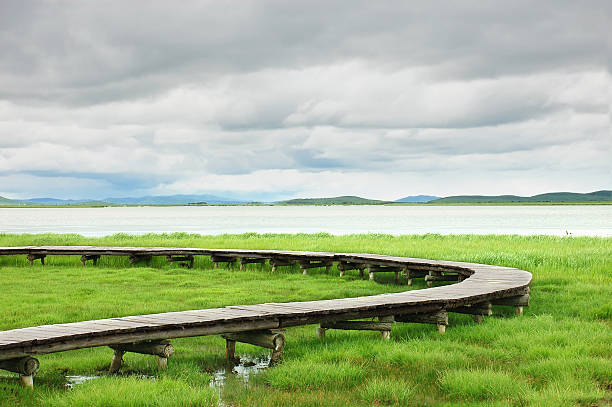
pixel 478 287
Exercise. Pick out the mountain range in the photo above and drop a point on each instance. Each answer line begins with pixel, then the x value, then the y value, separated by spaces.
pixel 207 199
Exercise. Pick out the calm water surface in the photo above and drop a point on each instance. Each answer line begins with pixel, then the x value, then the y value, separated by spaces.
pixel 550 220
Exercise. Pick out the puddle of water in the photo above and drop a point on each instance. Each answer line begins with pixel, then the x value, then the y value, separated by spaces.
pixel 240 374
pixel 72 381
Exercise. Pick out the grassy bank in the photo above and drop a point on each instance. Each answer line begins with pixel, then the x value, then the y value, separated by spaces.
pixel 558 353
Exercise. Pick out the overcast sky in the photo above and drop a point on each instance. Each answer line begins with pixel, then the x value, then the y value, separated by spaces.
pixel 278 99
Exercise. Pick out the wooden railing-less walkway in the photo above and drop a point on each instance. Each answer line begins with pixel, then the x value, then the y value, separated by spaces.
pixel 478 287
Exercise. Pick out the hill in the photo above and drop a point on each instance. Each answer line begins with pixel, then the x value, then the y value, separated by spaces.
pixel 597 196
pixel 338 200
pixel 7 201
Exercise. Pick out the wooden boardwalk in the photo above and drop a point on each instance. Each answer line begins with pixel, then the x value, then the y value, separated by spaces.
pixel 478 287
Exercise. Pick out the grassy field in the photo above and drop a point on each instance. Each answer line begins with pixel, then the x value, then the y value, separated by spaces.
pixel 559 353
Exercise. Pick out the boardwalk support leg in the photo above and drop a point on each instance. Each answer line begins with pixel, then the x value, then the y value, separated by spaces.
pixel 270 339
pixel 518 302
pixel 320 332
pixel 32 257
pixel 230 350
pixel 438 318
pixel 117 361
pixel 246 260
pixel 162 349
pixel 276 263
pixel 343 266
pixel 310 264
pixel 384 269
pixel 384 325
pixel 222 259
pixel 186 261
pixel 26 367
pixel 137 258
pixel 476 310
pixel 388 319
pixel 93 257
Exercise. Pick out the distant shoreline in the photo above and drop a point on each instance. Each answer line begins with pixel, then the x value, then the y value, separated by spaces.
pixel 543 203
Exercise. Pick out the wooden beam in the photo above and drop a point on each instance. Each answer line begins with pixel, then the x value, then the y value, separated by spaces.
pixel 358 325
pixel 162 349
pixel 438 318
pixel 441 278
pixel 384 325
pixel 517 301
pixel 476 310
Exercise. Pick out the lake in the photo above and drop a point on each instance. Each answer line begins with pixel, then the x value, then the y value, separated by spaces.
pixel 591 220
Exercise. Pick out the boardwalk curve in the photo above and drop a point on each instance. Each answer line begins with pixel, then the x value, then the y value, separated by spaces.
pixel 478 287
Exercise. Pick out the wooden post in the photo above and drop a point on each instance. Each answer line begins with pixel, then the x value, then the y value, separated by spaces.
pixel 230 350
pixel 320 332
pixel 27 381
pixel 371 272
pixel 386 334
pixel 117 361
pixel 26 367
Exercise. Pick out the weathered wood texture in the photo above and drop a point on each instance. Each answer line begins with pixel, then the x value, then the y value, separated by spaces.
pixel 481 284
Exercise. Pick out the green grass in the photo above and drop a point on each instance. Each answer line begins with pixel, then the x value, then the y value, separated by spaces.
pixel 559 353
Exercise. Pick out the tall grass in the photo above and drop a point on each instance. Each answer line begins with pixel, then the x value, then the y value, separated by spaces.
pixel 559 353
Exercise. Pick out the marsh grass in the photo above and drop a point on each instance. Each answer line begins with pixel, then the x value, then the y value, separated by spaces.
pixel 559 353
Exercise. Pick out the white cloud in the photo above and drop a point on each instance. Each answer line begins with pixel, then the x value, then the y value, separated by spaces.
pixel 361 98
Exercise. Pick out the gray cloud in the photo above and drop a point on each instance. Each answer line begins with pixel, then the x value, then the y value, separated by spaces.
pixel 288 96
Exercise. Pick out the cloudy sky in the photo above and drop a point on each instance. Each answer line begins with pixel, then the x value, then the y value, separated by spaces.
pixel 279 99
